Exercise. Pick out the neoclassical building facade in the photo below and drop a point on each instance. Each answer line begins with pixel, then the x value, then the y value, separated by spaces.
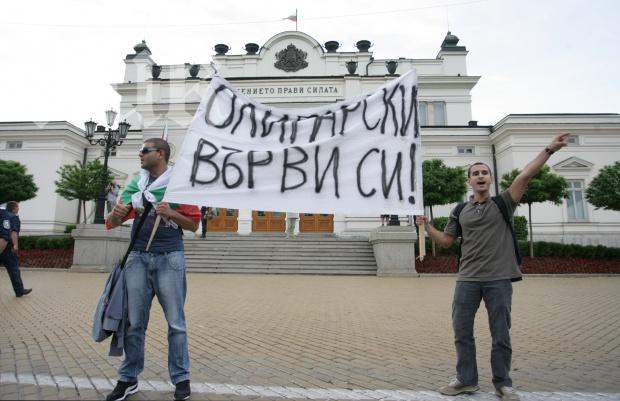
pixel 293 70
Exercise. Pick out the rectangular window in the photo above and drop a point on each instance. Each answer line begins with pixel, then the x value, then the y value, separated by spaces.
pixel 14 144
pixel 575 202
pixel 465 150
pixel 439 113
pixel 432 113
pixel 573 140
pixel 423 110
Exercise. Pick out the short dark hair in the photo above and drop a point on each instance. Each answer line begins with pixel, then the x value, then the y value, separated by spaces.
pixel 12 206
pixel 161 145
pixel 478 164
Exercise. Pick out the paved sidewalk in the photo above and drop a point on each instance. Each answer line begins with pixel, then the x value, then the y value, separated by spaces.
pixel 296 337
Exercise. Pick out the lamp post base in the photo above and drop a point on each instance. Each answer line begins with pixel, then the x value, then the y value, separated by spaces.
pixel 100 211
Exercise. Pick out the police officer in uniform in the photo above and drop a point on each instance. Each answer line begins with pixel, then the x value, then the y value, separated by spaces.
pixel 9 231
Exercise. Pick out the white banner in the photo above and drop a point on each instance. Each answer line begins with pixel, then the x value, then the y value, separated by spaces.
pixel 359 156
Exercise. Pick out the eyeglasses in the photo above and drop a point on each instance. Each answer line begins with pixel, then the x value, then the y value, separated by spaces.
pixel 146 150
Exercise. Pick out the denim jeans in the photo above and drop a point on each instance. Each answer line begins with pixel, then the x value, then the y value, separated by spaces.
pixel 9 259
pixel 497 296
pixel 147 275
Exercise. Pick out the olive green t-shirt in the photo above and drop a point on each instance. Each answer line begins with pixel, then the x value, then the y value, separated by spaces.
pixel 487 252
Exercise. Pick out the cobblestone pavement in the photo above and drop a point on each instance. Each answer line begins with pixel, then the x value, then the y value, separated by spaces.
pixel 297 337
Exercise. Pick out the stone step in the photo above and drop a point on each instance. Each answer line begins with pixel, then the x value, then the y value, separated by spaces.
pixel 276 254
pixel 283 253
pixel 262 270
pixel 301 264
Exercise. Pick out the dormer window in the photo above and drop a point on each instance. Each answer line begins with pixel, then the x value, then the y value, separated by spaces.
pixel 465 150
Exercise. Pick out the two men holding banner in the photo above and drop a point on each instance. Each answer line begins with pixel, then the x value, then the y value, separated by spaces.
pixel 487 267
pixel 159 272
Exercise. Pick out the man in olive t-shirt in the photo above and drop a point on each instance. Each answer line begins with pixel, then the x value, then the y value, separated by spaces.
pixel 487 268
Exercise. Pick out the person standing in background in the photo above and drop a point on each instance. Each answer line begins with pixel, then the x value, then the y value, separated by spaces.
pixel 111 195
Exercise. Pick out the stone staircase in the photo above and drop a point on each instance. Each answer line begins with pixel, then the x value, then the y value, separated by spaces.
pixel 275 254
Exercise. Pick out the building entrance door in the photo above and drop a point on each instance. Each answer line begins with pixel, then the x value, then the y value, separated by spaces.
pixel 268 221
pixel 316 223
pixel 225 220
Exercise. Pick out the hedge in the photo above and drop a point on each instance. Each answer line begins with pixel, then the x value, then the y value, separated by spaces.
pixel 36 242
pixel 542 248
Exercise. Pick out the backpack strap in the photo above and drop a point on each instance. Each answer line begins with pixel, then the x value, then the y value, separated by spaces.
pixel 459 230
pixel 499 201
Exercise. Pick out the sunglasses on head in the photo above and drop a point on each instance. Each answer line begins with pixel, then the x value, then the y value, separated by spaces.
pixel 146 150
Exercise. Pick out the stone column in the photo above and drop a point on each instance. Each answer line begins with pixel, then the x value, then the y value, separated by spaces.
pixel 394 248
pixel 97 249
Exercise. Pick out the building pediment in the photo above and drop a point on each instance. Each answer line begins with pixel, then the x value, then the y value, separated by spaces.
pixel 298 39
pixel 289 54
pixel 573 163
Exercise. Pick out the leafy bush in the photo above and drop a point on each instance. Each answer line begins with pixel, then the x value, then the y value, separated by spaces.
pixel 69 228
pixel 27 242
pixel 520 227
pixel 38 242
pixel 42 243
pixel 542 248
pixel 440 223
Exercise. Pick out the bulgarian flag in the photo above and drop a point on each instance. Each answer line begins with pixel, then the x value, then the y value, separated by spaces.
pixel 139 186
pixel 293 17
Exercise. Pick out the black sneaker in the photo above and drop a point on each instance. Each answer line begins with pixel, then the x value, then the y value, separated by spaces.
pixel 25 291
pixel 122 390
pixel 182 391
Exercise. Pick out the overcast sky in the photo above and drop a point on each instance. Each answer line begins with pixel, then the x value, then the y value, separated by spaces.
pixel 58 58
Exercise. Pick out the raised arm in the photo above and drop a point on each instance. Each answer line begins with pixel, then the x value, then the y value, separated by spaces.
pixel 517 189
pixel 440 237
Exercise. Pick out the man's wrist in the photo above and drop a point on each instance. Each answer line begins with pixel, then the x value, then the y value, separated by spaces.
pixel 549 151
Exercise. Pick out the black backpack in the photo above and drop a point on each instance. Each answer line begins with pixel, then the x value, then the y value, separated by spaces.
pixel 502 207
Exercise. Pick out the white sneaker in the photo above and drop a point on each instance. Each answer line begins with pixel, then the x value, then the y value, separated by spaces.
pixel 507 394
pixel 455 387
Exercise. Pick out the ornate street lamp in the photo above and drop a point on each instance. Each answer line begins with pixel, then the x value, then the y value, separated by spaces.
pixel 110 140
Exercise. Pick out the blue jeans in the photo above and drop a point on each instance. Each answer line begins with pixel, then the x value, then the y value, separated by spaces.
pixel 497 297
pixel 146 275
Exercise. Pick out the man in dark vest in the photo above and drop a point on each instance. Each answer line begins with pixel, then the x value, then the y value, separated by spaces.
pixel 10 226
pixel 487 267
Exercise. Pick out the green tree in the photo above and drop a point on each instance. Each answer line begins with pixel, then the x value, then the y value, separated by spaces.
pixel 82 182
pixel 442 185
pixel 15 183
pixel 545 186
pixel 604 190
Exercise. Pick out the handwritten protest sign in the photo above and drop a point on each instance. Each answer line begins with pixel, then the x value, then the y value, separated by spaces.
pixel 359 156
